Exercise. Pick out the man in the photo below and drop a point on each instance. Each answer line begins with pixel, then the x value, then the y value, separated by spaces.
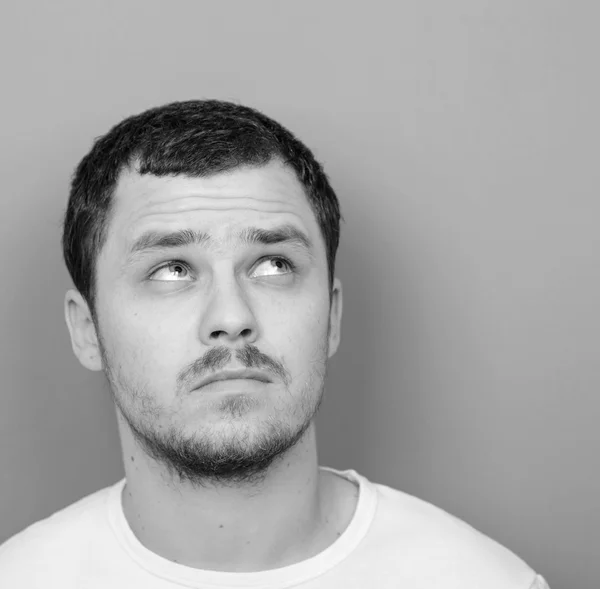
pixel 201 238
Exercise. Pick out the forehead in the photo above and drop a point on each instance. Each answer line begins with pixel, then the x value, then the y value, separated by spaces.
pixel 220 204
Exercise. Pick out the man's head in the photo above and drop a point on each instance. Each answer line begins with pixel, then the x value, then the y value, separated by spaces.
pixel 202 236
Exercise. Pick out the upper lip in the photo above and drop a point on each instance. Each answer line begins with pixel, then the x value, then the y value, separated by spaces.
pixel 240 373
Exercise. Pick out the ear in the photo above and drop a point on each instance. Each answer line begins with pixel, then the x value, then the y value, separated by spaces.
pixel 335 317
pixel 84 338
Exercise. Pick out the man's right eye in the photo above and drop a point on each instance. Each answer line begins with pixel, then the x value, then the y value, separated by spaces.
pixel 172 272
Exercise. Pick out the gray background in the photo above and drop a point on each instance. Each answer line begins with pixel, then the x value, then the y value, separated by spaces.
pixel 462 138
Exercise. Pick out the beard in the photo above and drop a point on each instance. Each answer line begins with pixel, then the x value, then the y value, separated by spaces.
pixel 209 456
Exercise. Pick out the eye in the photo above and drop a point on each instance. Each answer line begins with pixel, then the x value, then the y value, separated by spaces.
pixel 275 266
pixel 173 271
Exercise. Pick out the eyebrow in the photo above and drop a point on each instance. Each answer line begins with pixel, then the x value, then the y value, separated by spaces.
pixel 284 234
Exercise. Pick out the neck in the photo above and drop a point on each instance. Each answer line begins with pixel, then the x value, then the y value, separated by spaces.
pixel 233 529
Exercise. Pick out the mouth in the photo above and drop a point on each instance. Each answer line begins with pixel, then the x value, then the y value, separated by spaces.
pixel 237 377
pixel 234 385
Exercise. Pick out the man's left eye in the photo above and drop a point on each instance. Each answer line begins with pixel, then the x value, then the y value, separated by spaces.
pixel 275 263
pixel 175 271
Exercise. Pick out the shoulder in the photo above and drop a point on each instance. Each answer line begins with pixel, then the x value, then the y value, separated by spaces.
pixel 440 545
pixel 52 545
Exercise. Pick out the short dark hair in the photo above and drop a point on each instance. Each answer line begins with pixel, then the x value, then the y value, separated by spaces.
pixel 193 138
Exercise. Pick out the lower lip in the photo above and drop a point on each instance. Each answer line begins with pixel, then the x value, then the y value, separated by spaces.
pixel 234 385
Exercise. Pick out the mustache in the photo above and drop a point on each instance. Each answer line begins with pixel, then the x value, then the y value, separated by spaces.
pixel 217 358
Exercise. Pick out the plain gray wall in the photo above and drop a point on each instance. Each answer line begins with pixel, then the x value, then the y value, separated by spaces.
pixel 462 139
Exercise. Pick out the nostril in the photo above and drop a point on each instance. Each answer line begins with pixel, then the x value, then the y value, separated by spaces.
pixel 223 333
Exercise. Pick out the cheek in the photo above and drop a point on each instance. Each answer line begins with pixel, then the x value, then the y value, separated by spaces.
pixel 304 335
pixel 142 344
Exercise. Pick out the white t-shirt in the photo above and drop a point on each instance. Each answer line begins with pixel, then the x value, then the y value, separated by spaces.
pixel 393 541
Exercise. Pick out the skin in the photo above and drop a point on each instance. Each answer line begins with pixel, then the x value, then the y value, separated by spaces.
pixel 224 479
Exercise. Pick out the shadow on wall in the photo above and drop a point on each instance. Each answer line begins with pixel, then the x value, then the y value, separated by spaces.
pixel 355 414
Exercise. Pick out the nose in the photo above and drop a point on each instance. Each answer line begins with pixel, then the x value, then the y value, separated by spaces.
pixel 228 317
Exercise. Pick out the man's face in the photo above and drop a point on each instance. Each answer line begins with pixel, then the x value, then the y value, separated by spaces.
pixel 169 316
